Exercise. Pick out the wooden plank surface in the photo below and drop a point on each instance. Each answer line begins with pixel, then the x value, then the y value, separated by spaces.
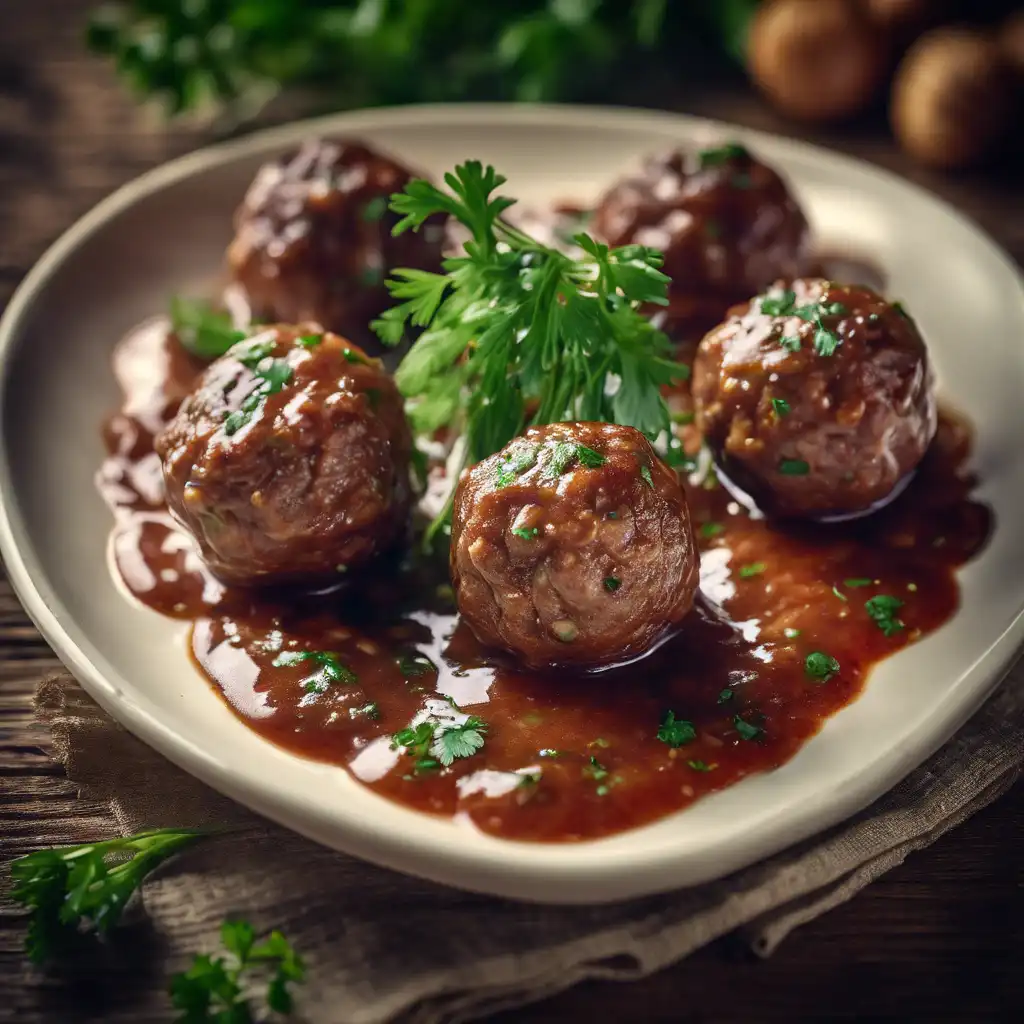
pixel 941 938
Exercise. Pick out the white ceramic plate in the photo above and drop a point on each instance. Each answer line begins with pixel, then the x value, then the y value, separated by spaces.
pixel 166 233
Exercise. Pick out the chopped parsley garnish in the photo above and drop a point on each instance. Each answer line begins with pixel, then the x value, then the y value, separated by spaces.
pixel 597 771
pixel 790 342
pixel 202 330
pixel 722 154
pixel 746 730
pixel 790 634
pixel 710 530
pixel 725 695
pixel 683 419
pixel 413 665
pixel 565 453
pixel 350 355
pixel 271 377
pixel 820 667
pixel 882 608
pixel 520 457
pixel 779 305
pixel 826 341
pixel 330 670
pixel 549 752
pixel 901 309
pixel 375 209
pixel 676 732
pixel 645 472
pixel 437 741
pixel 310 340
pixel 857 581
pixel 794 467
pixel 702 766
pixel 526 532
pixel 370 710
pixel 780 407
pixel 518 333
pixel 459 741
pixel 612 583
pixel 755 569
pixel 839 594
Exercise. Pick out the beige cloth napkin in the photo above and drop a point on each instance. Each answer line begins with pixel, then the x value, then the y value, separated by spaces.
pixel 381 947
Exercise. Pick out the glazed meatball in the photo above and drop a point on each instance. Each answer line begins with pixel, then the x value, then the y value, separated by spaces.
pixel 816 400
pixel 289 461
pixel 726 223
pixel 313 238
pixel 573 545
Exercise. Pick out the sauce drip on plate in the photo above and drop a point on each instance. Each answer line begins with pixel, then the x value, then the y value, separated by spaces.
pixel 787 627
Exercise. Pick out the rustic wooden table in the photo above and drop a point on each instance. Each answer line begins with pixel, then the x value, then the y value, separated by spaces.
pixel 941 938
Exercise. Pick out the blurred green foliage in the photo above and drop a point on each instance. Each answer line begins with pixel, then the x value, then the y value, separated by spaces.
pixel 201 54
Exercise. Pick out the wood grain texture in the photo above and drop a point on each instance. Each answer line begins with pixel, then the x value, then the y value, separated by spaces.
pixel 939 939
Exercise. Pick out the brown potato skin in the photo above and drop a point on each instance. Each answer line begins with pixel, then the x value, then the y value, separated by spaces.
pixel 313 238
pixel 316 484
pixel 593 525
pixel 861 419
pixel 727 230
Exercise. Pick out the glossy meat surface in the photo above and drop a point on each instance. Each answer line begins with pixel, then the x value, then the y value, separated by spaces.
pixel 289 461
pixel 313 238
pixel 816 400
pixel 573 545
pixel 726 222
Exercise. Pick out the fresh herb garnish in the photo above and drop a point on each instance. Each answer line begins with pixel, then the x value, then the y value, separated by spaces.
pixel 794 467
pixel 702 766
pixel 820 667
pixel 780 407
pixel 858 581
pixel 755 569
pixel 214 989
pixel 676 731
pixel 565 453
pixel 271 376
pixel 371 710
pixel 599 773
pixel 746 730
pixel 722 154
pixel 882 609
pixel 311 340
pixel 202 330
pixel 826 341
pixel 520 333
pixel 839 594
pixel 75 889
pixel 710 530
pixel 612 583
pixel 725 695
pixel 683 419
pixel 442 738
pixel 790 342
pixel 412 665
pixel 645 472
pixel 350 355
pixel 330 669
pixel 790 634
pixel 526 532
pixel 521 456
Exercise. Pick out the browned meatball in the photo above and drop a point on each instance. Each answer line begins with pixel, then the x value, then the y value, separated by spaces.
pixel 573 545
pixel 817 400
pixel 313 237
pixel 726 223
pixel 290 459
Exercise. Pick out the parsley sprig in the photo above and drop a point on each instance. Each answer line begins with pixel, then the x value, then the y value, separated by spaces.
pixel 82 889
pixel 443 737
pixel 204 331
pixel 826 341
pixel 329 669
pixel 518 333
pixel 213 988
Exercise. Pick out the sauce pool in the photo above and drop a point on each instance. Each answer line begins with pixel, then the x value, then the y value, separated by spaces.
pixel 334 675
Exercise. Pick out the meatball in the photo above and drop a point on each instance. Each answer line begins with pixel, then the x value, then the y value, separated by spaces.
pixel 573 545
pixel 289 461
pixel 816 400
pixel 313 238
pixel 726 223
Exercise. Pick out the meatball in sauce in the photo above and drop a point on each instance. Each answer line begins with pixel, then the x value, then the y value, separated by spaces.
pixel 313 238
pixel 726 222
pixel 289 461
pixel 816 400
pixel 573 545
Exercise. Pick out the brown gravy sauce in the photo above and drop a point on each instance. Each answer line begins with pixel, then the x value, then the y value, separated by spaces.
pixel 567 757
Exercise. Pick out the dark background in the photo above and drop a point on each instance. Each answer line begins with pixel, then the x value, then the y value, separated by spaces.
pixel 941 938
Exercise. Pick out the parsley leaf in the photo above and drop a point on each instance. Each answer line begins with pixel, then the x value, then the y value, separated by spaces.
pixel 858 581
pixel 747 571
pixel 780 407
pixel 72 888
pixel 746 730
pixel 645 472
pixel 791 343
pixel 722 154
pixel 526 532
pixel 202 330
pixel 820 667
pixel 882 609
pixel 676 731
pixel 710 530
pixel 794 467
pixel 330 669
pixel 413 664
pixel 564 453
pixel 612 583
pixel 702 766
pixel 519 333
pixel 214 988
pixel 461 740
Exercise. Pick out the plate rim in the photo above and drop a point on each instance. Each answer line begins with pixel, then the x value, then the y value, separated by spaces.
pixel 555 877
